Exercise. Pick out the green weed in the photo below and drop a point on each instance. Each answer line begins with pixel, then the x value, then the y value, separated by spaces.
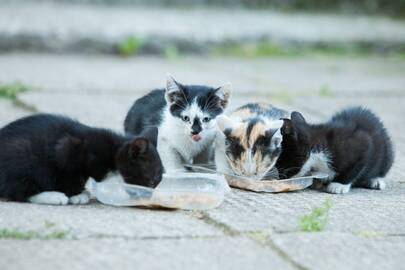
pixel 171 53
pixel 317 219
pixel 46 233
pixel 11 90
pixel 325 91
pixel 130 46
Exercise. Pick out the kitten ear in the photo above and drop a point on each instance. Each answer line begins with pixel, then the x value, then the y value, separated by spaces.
pixel 173 89
pixel 224 93
pixel 297 117
pixel 287 128
pixel 151 134
pixel 137 147
pixel 224 122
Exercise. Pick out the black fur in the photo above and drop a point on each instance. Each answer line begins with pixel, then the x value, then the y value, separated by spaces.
pixel 357 142
pixel 53 153
pixel 148 110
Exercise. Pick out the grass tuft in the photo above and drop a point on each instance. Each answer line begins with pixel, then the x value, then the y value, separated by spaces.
pixel 325 91
pixel 47 233
pixel 130 46
pixel 318 218
pixel 171 53
pixel 11 90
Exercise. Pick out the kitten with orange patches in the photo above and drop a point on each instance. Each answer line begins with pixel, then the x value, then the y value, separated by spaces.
pixel 248 142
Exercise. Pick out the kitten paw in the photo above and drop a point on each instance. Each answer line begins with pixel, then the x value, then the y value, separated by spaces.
pixel 337 188
pixel 81 198
pixel 378 183
pixel 49 197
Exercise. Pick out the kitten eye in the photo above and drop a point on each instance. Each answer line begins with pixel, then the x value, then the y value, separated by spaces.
pixel 206 119
pixel 185 118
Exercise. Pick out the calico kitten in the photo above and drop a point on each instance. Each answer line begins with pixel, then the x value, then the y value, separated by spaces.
pixel 185 116
pixel 352 149
pixel 249 141
pixel 48 159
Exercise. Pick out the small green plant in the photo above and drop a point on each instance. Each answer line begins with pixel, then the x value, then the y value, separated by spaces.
pixel 325 91
pixel 130 46
pixel 47 233
pixel 171 53
pixel 11 90
pixel 317 219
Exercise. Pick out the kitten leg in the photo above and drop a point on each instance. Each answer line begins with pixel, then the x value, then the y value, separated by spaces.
pixel 376 183
pixel 82 198
pixel 49 197
pixel 338 188
pixel 171 159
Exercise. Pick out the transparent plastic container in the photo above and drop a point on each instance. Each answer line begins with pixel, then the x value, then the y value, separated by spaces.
pixel 189 191
pixel 268 186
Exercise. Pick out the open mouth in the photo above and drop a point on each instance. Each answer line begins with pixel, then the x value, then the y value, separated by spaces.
pixel 196 137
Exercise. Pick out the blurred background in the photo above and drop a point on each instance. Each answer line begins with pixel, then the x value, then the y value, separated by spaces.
pixel 90 59
pixel 116 50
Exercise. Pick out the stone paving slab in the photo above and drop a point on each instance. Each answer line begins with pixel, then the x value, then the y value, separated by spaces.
pixel 343 251
pixel 49 27
pixel 282 78
pixel 8 112
pixel 146 234
pixel 219 253
pixel 95 219
pixel 360 210
pixel 106 110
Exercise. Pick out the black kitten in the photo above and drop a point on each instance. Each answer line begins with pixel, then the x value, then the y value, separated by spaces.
pixel 353 149
pixel 46 159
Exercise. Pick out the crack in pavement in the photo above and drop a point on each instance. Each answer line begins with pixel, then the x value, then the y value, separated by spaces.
pixel 204 216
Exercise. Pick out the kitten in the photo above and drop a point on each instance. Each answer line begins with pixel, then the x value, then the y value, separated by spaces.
pixel 249 141
pixel 352 149
pixel 185 116
pixel 48 159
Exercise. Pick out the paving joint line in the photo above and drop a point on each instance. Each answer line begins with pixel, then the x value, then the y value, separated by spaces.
pixel 18 103
pixel 268 242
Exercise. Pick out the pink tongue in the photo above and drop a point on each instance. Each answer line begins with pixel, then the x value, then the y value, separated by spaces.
pixel 196 138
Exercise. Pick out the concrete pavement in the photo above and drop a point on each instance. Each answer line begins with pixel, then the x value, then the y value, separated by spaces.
pixel 249 231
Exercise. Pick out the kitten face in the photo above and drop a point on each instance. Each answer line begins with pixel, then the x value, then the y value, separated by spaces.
pixel 252 147
pixel 196 107
pixel 138 160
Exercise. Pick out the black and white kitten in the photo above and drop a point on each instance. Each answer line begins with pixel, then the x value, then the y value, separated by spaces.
pixel 48 159
pixel 352 149
pixel 185 116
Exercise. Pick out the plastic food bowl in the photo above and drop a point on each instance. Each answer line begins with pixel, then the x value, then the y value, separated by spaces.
pixel 189 191
pixel 269 186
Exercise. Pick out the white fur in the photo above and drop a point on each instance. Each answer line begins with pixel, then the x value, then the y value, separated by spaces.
pixel 49 197
pixel 338 188
pixel 221 161
pixel 317 163
pixel 175 145
pixel 81 198
pixel 378 183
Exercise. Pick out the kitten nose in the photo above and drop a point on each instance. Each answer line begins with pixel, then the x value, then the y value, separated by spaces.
pixel 196 127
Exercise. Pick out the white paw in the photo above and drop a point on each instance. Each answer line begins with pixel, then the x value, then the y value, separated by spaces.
pixel 337 188
pixel 378 183
pixel 81 198
pixel 49 197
